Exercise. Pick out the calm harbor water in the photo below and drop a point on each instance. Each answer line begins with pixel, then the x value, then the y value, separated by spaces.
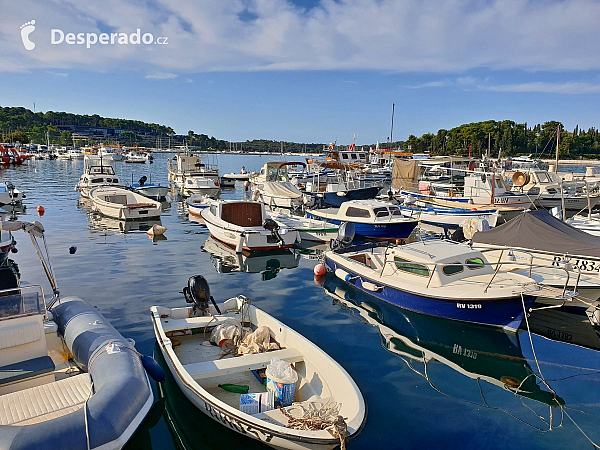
pixel 428 383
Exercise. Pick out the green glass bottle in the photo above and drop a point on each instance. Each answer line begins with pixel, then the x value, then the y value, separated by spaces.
pixel 237 388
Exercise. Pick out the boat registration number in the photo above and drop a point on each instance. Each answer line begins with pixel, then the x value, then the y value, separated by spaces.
pixel 580 264
pixel 459 350
pixel 468 305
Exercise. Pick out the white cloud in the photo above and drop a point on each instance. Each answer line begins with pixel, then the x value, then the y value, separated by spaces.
pixel 189 80
pixel 551 88
pixel 57 74
pixel 404 36
pixel 161 76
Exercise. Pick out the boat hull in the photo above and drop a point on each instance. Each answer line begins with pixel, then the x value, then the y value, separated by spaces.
pixel 507 313
pixel 382 230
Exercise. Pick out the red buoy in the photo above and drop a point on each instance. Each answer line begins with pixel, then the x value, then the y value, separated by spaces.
pixel 320 270
pixel 40 210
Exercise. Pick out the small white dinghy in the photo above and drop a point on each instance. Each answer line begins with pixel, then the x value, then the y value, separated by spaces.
pixel 123 204
pixel 199 368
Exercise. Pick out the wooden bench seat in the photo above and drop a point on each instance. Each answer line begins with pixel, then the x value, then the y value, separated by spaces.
pixel 208 369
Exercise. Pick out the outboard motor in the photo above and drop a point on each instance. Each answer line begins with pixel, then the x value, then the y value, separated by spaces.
pixel 344 238
pixel 198 292
pixel 143 180
pixel 272 226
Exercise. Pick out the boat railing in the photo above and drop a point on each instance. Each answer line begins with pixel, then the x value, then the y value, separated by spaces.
pixel 432 267
pixel 22 301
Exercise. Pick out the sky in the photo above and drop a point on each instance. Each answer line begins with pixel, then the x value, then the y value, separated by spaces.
pixel 305 70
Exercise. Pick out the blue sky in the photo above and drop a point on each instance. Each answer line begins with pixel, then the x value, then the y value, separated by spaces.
pixel 310 71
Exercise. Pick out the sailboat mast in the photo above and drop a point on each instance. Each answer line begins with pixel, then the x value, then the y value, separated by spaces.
pixel 392 130
pixel 557 146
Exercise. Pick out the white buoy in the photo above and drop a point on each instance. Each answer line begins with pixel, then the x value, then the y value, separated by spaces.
pixel 156 230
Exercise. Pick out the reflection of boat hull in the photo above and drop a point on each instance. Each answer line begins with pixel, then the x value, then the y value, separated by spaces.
pixel 226 260
pixel 475 351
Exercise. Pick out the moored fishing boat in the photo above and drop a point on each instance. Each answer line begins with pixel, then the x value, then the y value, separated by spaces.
pixel 97 171
pixel 199 368
pixel 198 202
pixel 371 218
pixel 438 278
pixel 149 189
pixel 123 204
pixel 314 230
pixel 245 226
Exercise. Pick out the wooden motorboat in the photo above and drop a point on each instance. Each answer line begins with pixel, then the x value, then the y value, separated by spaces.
pixel 123 204
pixel 245 226
pixel 199 368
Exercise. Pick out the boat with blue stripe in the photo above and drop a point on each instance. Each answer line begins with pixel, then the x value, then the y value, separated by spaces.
pixel 438 278
pixel 372 219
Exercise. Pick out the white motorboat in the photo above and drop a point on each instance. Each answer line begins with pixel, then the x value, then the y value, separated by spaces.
pixel 589 223
pixel 553 253
pixel 135 157
pixel 309 229
pixel 438 278
pixel 123 204
pixel 65 371
pixel 193 176
pixel 97 171
pixel 10 195
pixel 199 369
pixel 281 194
pixel 552 192
pixel 196 203
pixel 245 226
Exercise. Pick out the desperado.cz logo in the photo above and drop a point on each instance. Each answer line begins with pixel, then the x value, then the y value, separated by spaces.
pixel 58 36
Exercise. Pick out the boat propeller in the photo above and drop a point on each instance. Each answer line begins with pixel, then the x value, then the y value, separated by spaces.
pixel 198 292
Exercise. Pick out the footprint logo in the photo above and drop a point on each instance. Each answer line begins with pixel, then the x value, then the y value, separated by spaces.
pixel 26 30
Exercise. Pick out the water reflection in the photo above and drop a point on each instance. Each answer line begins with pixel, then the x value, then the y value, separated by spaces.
pixel 479 352
pixel 269 264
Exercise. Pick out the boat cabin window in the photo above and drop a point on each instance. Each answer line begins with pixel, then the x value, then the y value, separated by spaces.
pixel 453 268
pixel 475 263
pixel 551 191
pixel 353 155
pixel 344 156
pixel 213 210
pixel 406 266
pixel 396 211
pixel 97 180
pixel 362 156
pixel 381 212
pixel 357 212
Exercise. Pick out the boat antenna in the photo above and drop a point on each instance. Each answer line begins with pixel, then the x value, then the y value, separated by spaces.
pixel 557 147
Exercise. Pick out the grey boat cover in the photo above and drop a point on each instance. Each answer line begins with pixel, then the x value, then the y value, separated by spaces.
pixel 281 189
pixel 539 230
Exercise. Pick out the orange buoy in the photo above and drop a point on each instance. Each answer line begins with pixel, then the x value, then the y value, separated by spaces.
pixel 320 269
pixel 40 210
pixel 473 209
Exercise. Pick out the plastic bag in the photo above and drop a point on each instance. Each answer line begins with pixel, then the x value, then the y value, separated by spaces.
pixel 282 370
pixel 225 334
pixel 257 342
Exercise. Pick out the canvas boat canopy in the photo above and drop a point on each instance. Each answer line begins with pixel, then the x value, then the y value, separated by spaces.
pixel 281 189
pixel 539 230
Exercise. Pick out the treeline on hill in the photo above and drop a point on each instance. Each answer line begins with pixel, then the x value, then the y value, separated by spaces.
pixel 509 138
pixel 18 122
pixel 256 145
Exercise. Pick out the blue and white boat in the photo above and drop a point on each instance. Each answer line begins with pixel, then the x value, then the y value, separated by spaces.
pixel 68 379
pixel 438 278
pixel 343 187
pixel 448 219
pixel 371 218
pixel 149 189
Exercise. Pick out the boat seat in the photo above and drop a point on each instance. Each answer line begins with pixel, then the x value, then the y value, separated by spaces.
pixel 45 402
pixel 208 369
pixel 140 205
pixel 26 369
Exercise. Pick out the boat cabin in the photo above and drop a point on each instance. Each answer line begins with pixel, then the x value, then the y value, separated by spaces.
pixel 240 213
pixel 276 171
pixel 369 209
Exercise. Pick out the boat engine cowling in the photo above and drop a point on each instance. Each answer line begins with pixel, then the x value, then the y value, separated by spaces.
pixel 345 236
pixel 143 180
pixel 198 292
pixel 270 225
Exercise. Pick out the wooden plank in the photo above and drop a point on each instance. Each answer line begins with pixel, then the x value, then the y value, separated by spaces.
pixel 208 369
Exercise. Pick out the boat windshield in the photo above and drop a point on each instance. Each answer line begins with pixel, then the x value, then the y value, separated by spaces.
pixel 20 301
